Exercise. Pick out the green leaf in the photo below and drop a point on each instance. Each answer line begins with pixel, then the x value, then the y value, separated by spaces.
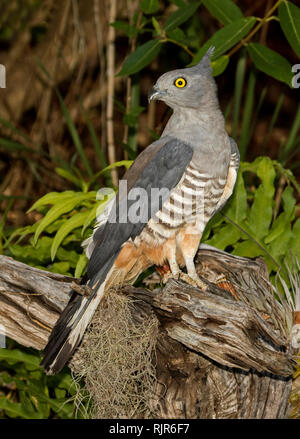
pixel 149 6
pixel 180 16
pixel 81 264
pixel 156 26
pixel 225 10
pixel 295 239
pixel 227 235
pixel 179 3
pixel 13 409
pixel 219 65
pixel 283 221
pixel 75 221
pixel 279 226
pixel 237 206
pixel 51 198
pixel 59 406
pixel 10 145
pixel 270 62
pixel 279 247
pixel 131 118
pixel 177 35
pixel 291 143
pixel 40 254
pixel 69 256
pixel 60 267
pixel 248 249
pixel 13 356
pixel 14 129
pixel 289 16
pixel 68 176
pixel 140 58
pixel 60 208
pixel 126 163
pixel 130 30
pixel 226 38
pixel 74 135
pixel 261 212
pixel 64 381
pixel 289 201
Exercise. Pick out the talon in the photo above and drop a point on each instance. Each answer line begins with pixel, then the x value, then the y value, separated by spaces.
pixel 166 277
pixel 194 281
pixel 164 272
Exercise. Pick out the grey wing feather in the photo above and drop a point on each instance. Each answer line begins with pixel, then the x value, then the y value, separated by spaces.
pixel 162 169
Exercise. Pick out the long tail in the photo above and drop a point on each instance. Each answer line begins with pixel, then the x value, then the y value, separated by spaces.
pixel 72 323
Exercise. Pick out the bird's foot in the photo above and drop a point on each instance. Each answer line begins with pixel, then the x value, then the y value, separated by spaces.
pixel 193 280
pixel 166 276
pixel 165 272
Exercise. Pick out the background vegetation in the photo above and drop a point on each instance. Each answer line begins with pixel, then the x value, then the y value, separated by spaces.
pixel 74 114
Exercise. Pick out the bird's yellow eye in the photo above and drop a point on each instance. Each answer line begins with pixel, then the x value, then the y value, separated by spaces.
pixel 180 82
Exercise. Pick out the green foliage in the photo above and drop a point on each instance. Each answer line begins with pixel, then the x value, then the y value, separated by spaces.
pixel 219 65
pixel 237 31
pixel 226 11
pixel 225 38
pixel 245 112
pixel 64 226
pixel 180 16
pixel 268 230
pixel 289 16
pixel 270 62
pixel 26 392
pixel 141 57
pixel 149 6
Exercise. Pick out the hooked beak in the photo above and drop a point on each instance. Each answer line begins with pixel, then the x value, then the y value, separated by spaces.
pixel 155 94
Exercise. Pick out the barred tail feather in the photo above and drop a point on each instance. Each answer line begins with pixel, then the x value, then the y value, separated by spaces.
pixel 72 323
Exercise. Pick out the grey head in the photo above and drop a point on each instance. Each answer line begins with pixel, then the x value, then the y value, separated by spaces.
pixel 187 87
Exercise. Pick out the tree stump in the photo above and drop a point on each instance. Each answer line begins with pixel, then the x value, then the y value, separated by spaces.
pixel 222 353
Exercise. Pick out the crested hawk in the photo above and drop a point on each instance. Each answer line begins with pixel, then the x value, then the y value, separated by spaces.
pixel 182 180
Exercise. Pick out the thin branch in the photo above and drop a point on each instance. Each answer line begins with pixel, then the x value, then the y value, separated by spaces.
pixel 177 43
pixel 252 239
pixel 256 29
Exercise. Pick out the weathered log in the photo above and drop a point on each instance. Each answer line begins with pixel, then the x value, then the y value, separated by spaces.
pixel 30 301
pixel 220 353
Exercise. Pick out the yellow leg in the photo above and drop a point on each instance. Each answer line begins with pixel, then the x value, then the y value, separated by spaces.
pixel 188 243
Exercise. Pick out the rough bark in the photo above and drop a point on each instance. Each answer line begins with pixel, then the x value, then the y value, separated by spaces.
pixel 30 301
pixel 223 353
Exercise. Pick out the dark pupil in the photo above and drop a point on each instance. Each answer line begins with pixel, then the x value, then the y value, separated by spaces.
pixel 180 82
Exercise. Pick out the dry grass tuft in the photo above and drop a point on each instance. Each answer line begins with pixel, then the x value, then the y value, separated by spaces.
pixel 117 360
